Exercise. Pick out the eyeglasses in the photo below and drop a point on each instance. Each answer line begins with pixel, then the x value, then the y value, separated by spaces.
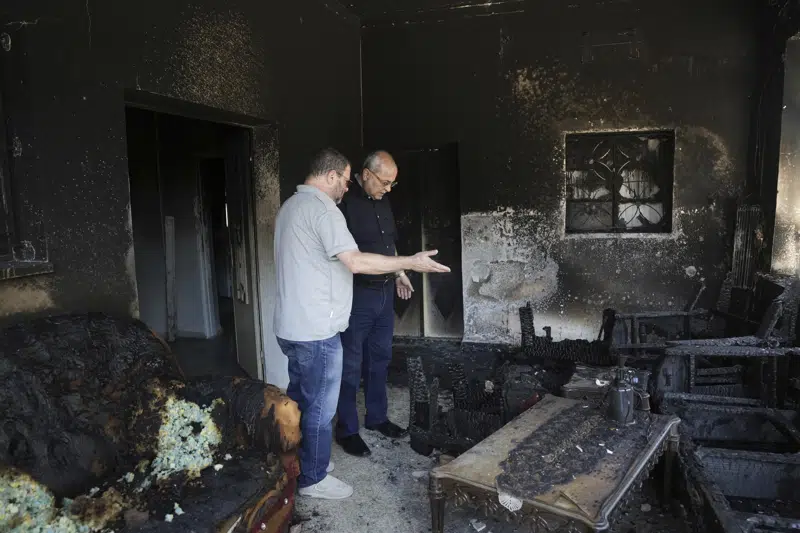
pixel 385 183
pixel 347 180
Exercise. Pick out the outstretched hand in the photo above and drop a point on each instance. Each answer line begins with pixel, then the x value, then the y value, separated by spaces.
pixel 424 263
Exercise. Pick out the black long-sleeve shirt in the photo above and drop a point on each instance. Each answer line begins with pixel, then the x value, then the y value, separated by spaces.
pixel 372 224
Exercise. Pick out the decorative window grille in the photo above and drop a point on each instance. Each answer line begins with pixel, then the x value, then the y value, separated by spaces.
pixel 619 182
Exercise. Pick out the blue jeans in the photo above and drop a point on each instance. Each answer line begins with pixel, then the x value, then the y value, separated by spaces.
pixel 367 345
pixel 315 374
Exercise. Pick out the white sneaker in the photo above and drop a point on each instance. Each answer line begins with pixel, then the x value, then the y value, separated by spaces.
pixel 329 488
pixel 330 467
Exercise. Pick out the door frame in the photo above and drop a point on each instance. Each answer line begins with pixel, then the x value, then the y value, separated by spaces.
pixel 262 203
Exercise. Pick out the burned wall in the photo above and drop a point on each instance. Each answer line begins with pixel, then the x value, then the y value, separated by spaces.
pixel 508 87
pixel 786 245
pixel 296 63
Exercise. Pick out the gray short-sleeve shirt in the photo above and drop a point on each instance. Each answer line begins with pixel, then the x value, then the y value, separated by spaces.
pixel 315 289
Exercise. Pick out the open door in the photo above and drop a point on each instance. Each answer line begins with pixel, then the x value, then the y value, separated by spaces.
pixel 239 187
pixel 427 209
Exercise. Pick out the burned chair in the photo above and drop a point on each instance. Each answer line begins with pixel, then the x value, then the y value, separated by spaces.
pixel 740 465
pixel 637 333
pixel 586 365
pixel 452 409
pixel 99 431
pixel 575 351
pixel 731 350
pixel 744 365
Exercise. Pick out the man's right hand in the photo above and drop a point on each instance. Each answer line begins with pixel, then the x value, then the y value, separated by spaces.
pixel 422 262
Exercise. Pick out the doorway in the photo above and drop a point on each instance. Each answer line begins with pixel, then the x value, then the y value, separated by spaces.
pixel 191 201
pixel 427 211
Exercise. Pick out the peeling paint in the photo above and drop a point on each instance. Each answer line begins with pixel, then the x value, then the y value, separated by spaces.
pixel 23 297
pixel 503 269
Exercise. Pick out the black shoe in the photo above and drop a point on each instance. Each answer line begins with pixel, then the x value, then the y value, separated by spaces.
pixel 354 445
pixel 390 429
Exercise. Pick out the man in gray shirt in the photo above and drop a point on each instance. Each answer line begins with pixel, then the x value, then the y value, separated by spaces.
pixel 316 258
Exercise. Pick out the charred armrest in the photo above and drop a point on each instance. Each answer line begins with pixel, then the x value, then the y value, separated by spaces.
pixel 280 417
pixel 264 416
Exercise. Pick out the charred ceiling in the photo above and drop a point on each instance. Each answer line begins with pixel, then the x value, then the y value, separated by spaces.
pixel 404 11
pixel 408 11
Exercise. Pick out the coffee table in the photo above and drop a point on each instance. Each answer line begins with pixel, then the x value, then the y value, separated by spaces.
pixel 568 466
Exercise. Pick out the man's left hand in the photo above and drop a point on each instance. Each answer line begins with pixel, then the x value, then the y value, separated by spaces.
pixel 404 287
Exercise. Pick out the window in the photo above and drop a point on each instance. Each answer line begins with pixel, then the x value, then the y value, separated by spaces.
pixel 619 182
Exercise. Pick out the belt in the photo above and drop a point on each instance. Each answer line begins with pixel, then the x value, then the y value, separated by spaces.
pixel 376 283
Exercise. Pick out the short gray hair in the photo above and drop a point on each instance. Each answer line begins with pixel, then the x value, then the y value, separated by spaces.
pixel 373 161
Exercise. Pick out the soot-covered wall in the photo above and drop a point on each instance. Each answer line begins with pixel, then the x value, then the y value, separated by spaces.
pixel 292 62
pixel 508 87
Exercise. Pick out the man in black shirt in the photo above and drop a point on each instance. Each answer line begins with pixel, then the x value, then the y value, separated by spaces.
pixel 367 343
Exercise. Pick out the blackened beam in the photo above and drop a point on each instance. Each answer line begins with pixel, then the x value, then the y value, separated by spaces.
pixel 750 340
pixel 720 371
pixel 717 380
pixel 641 346
pixel 729 351
pixel 661 314
pixel 709 402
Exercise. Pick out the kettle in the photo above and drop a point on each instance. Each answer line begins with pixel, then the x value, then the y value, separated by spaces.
pixel 621 398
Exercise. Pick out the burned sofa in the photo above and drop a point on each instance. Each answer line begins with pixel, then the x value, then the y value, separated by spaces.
pixel 100 432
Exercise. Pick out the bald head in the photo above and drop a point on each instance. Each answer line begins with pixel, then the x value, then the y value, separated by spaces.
pixel 379 174
pixel 380 162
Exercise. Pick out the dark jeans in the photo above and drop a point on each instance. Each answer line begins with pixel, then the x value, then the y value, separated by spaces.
pixel 367 346
pixel 315 373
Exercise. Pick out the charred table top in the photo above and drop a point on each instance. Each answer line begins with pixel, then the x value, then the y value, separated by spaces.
pixel 562 461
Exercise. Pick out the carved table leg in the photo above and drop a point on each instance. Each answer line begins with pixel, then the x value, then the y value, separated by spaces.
pixel 669 462
pixel 436 494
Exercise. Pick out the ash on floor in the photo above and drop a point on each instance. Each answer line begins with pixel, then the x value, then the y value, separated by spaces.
pixel 391 493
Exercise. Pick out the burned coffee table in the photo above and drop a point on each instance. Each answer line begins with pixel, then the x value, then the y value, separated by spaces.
pixel 562 461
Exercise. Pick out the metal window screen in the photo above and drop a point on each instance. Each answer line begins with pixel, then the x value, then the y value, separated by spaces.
pixel 619 182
